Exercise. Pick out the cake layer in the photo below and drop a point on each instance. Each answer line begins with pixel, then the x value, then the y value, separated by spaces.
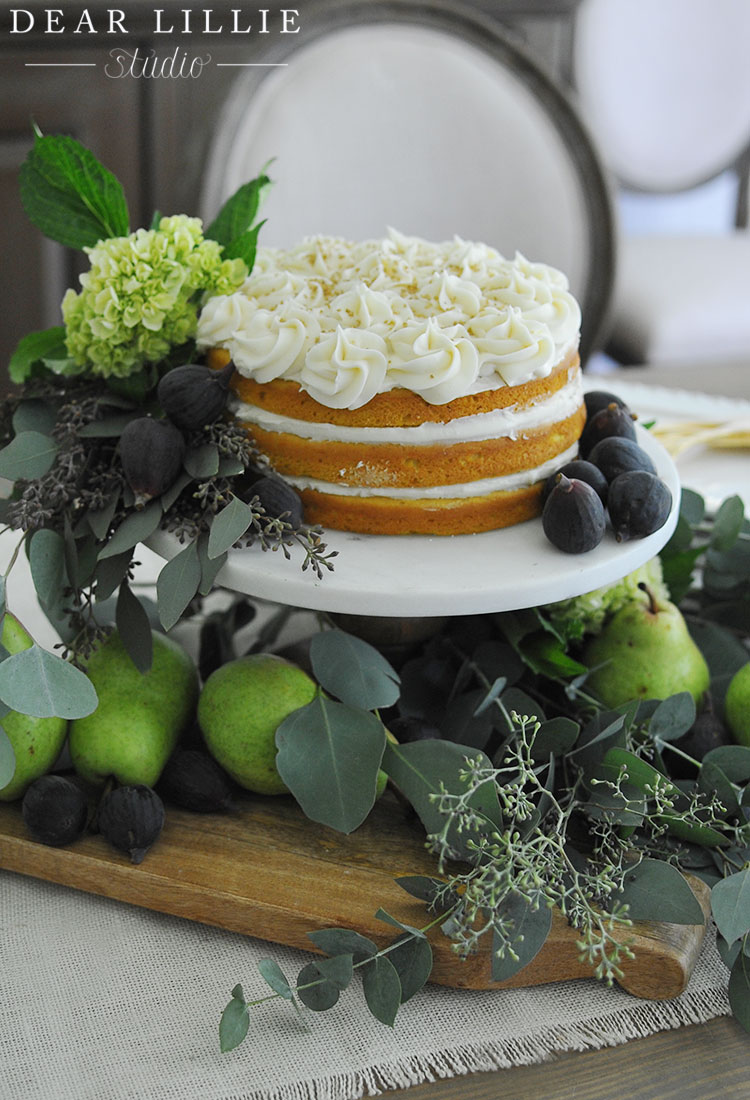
pixel 405 465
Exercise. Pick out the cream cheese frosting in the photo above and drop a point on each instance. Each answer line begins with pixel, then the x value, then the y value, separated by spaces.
pixel 348 320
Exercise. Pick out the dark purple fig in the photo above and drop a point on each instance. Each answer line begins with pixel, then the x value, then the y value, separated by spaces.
pixel 639 504
pixel 615 455
pixel 151 452
pixel 55 810
pixel 131 819
pixel 583 471
pixel 613 420
pixel 412 728
pixel 596 400
pixel 573 518
pixel 194 395
pixel 277 498
pixel 194 780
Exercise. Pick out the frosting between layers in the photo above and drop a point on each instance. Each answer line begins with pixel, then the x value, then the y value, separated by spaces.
pixel 349 320
pixel 507 422
pixel 458 491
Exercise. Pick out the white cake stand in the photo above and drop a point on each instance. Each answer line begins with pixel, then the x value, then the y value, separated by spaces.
pixel 419 576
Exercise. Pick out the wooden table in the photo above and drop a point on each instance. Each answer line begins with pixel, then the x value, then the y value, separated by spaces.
pixel 702 1062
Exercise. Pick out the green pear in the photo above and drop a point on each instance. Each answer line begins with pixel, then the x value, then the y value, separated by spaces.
pixel 240 708
pixel 645 652
pixel 37 742
pixel 737 705
pixel 140 716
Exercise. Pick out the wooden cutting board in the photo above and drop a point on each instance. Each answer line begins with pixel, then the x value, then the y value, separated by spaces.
pixel 265 870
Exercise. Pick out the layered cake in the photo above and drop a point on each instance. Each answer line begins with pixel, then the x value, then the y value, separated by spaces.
pixel 404 387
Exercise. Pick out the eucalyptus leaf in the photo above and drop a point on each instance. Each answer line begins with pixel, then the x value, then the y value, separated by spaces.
pixel 730 905
pixel 234 1025
pixel 382 988
pixel 734 761
pixel 135 528
pixel 557 736
pixel 712 780
pixel 464 721
pixel 344 941
pixel 644 776
pixel 337 969
pixel 488 697
pixel 673 717
pixel 604 731
pixel 69 195
pixel 727 523
pixel 329 755
pixel 739 990
pixel 202 462
pixel 100 519
pixel 109 427
pixel 7 758
pixel 692 507
pixel 516 700
pixel 109 574
pixel 273 975
pixel 29 455
pixel 412 960
pixel 531 928
pixel 381 914
pixel 228 526
pixel 210 567
pixel 42 685
pixel 47 565
pixel 353 670
pixel 134 628
pixel 177 584
pixel 429 890
pixel 314 990
pixel 655 890
pixel 34 415
pixel 170 495
pixel 420 769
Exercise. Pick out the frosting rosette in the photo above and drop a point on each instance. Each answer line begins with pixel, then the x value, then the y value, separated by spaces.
pixel 438 364
pixel 345 370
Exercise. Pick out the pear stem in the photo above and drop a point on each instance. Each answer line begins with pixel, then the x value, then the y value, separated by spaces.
pixel 653 608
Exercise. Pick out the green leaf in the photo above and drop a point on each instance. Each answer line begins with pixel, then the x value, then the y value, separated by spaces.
pixel 530 931
pixel 329 756
pixel 461 723
pixel 135 528
pixel 202 462
pixel 100 520
pixel 639 772
pixel 412 960
pixel 730 904
pixel 739 990
pixel 727 523
pixel 655 890
pixel 134 628
pixel 353 670
pixel 712 780
pixel 734 761
pixel 210 567
pixel 110 572
pixel 7 758
pixel 343 941
pixel 382 989
pixel 273 975
pixel 34 415
pixel 177 584
pixel 245 247
pixel 34 348
pixel 673 717
pixel 234 1024
pixel 488 697
pixel 430 890
pixel 42 685
pixel 28 455
pixel 704 835
pixel 229 524
pixel 419 770
pixel 692 507
pixel 239 211
pixel 47 565
pixel 556 736
pixel 69 195
pixel 314 990
pixel 109 426
pixel 337 969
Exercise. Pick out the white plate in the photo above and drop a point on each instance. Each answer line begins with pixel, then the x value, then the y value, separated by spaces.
pixel 413 576
pixel 714 473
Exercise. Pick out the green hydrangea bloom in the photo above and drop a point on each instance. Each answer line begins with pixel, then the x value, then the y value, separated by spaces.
pixel 587 614
pixel 141 295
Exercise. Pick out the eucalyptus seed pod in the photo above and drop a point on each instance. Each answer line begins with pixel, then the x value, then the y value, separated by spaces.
pixel 131 819
pixel 194 395
pixel 55 810
pixel 151 452
pixel 194 780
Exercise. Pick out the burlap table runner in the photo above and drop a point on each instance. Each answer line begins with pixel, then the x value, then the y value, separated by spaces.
pixel 106 1001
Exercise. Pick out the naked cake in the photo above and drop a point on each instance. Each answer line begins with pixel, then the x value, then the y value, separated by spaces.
pixel 401 386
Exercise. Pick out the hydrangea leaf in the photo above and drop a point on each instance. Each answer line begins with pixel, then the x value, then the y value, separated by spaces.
pixel 69 195
pixel 239 211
